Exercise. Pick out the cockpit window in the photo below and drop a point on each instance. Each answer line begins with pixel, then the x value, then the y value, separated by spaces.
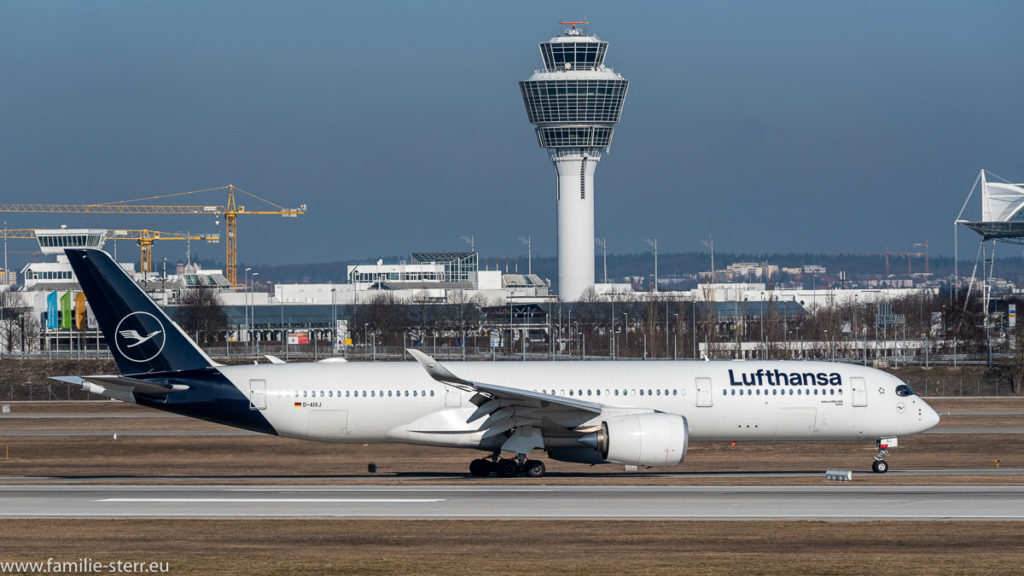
pixel 904 390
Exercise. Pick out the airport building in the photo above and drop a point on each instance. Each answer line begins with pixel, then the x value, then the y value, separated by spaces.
pixel 574 102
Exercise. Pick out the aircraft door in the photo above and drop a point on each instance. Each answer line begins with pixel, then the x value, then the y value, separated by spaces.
pixel 860 391
pixel 704 392
pixel 257 394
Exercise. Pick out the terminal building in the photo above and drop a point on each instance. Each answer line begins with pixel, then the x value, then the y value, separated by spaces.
pixel 433 277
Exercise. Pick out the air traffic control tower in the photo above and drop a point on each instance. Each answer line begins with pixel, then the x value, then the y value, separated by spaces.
pixel 575 103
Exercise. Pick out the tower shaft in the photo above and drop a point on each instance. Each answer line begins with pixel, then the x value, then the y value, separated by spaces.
pixel 574 197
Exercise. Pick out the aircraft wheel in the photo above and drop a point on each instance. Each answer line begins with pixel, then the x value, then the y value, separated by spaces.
pixel 506 468
pixel 534 468
pixel 481 467
pixel 880 466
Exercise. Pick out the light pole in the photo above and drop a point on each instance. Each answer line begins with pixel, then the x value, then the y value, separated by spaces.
pixel 611 334
pixel 252 308
pixel 603 243
pixel 675 338
pixel 654 244
pixel 245 299
pixel 693 324
pixel 334 322
pixel 710 243
pixel 625 331
pixel 471 240
pixel 528 240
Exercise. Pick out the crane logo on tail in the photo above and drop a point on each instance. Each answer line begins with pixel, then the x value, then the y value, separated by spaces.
pixel 140 337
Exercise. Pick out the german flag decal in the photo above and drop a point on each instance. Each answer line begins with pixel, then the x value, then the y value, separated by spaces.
pixel 298 404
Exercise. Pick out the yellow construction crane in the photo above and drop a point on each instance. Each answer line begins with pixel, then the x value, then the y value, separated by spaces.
pixel 144 238
pixel 230 211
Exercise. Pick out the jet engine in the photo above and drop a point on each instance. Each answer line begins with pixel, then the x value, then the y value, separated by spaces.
pixel 638 440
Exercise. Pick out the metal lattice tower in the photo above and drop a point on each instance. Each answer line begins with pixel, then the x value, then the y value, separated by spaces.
pixel 575 103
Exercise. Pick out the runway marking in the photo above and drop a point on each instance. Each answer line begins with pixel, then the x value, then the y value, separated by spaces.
pixel 282 500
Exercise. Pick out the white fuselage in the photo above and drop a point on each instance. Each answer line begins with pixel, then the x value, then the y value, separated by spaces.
pixel 399 402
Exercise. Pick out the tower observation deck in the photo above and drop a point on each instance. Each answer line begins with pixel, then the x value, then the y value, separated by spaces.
pixel 574 102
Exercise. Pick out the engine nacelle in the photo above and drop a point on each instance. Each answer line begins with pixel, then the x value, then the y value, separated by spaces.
pixel 641 439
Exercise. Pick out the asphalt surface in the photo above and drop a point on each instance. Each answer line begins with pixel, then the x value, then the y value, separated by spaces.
pixel 833 502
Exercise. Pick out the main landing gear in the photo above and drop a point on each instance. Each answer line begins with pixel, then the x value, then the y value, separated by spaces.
pixel 507 467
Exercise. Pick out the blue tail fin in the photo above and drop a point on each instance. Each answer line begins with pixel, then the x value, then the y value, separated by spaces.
pixel 140 335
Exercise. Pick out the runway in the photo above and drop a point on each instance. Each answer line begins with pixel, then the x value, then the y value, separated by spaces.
pixel 836 502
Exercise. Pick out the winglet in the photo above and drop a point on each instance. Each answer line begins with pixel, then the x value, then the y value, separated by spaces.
pixel 436 371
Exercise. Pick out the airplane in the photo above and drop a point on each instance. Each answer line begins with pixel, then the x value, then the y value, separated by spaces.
pixel 641 414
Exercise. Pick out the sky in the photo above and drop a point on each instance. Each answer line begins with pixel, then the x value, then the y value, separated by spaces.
pixel 784 126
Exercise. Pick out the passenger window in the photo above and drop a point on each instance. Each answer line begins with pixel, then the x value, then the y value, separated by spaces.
pixel 431 393
pixel 641 392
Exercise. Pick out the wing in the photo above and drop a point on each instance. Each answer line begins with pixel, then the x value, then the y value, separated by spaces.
pixel 120 387
pixel 530 416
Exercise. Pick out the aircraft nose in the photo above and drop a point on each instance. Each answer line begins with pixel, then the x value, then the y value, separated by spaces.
pixel 930 417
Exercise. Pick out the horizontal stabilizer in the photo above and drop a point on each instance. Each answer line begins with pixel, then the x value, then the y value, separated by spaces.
pixel 123 384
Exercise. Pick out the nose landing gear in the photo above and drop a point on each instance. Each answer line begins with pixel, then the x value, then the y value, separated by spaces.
pixel 880 466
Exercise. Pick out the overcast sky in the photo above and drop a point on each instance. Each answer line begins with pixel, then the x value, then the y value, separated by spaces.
pixel 774 126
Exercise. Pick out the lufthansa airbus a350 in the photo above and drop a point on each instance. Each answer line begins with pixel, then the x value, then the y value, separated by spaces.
pixel 633 413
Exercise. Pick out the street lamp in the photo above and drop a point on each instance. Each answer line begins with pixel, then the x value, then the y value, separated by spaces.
pixel 245 299
pixel 654 244
pixel 710 243
pixel 528 240
pixel 334 322
pixel 469 239
pixel 252 309
pixel 625 331
pixel 675 338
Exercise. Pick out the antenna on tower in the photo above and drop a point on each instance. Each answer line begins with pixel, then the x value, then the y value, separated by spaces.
pixel 573 31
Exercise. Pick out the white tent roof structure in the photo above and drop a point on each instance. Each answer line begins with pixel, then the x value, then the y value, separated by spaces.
pixel 1001 203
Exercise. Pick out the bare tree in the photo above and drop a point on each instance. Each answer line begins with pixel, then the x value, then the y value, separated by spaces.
pixel 18 328
pixel 202 316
